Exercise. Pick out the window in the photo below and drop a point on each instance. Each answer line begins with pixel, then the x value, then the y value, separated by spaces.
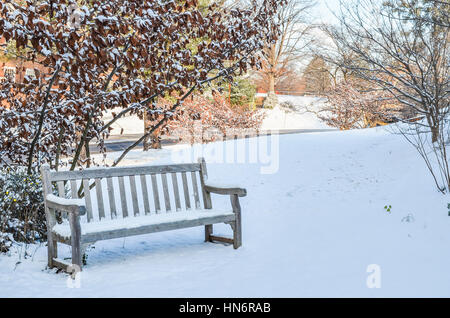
pixel 10 73
pixel 30 73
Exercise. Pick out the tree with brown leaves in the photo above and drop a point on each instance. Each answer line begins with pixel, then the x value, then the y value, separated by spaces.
pixel 102 55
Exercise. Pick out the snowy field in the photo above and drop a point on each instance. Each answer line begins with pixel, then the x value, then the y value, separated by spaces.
pixel 275 118
pixel 126 125
pixel 313 228
pixel 278 118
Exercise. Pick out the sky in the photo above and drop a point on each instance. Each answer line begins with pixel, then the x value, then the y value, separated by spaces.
pixel 323 12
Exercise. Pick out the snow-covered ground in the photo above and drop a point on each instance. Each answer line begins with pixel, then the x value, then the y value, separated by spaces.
pixel 276 118
pixel 312 228
pixel 127 125
pixel 280 118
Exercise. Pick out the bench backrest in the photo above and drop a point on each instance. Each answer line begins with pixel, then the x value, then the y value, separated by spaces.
pixel 121 192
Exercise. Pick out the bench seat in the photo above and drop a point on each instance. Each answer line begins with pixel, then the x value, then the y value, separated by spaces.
pixel 122 227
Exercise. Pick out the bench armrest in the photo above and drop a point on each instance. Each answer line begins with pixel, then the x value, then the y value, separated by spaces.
pixel 65 205
pixel 225 189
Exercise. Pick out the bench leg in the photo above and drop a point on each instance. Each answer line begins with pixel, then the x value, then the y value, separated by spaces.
pixel 237 235
pixel 76 240
pixel 77 254
pixel 237 228
pixel 208 232
pixel 236 225
pixel 52 246
pixel 52 250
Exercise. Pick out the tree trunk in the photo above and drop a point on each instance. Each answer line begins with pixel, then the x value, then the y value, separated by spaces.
pixel 434 133
pixel 155 141
pixel 152 141
pixel 82 157
pixel 271 82
pixel 87 154
pixel 434 127
pixel 146 127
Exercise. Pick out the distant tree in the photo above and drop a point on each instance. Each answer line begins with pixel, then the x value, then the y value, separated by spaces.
pixel 410 60
pixel 280 57
pixel 402 47
pixel 292 82
pixel 352 104
pixel 317 76
pixel 431 12
pixel 240 93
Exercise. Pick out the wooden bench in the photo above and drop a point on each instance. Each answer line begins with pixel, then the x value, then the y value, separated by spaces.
pixel 126 201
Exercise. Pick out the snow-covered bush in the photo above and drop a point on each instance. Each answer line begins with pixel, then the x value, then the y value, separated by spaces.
pixel 22 214
pixel 288 106
pixel 210 118
pixel 239 93
pixel 353 104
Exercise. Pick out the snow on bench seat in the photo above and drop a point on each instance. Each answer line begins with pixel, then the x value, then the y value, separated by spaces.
pixel 156 222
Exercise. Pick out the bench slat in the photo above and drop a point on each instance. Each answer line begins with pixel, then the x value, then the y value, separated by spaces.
pixel 134 197
pixel 166 192
pixel 195 188
pixel 175 190
pixel 112 201
pixel 145 194
pixel 74 189
pixel 87 199
pixel 61 190
pixel 62 194
pixel 155 193
pixel 207 203
pixel 123 197
pixel 93 173
pixel 99 192
pixel 186 190
pixel 93 237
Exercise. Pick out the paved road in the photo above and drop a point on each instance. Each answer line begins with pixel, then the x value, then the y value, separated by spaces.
pixel 121 142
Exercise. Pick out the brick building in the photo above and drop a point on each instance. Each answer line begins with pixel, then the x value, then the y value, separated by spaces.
pixel 16 69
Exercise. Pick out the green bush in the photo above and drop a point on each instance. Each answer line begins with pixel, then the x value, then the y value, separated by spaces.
pixel 241 92
pixel 22 213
